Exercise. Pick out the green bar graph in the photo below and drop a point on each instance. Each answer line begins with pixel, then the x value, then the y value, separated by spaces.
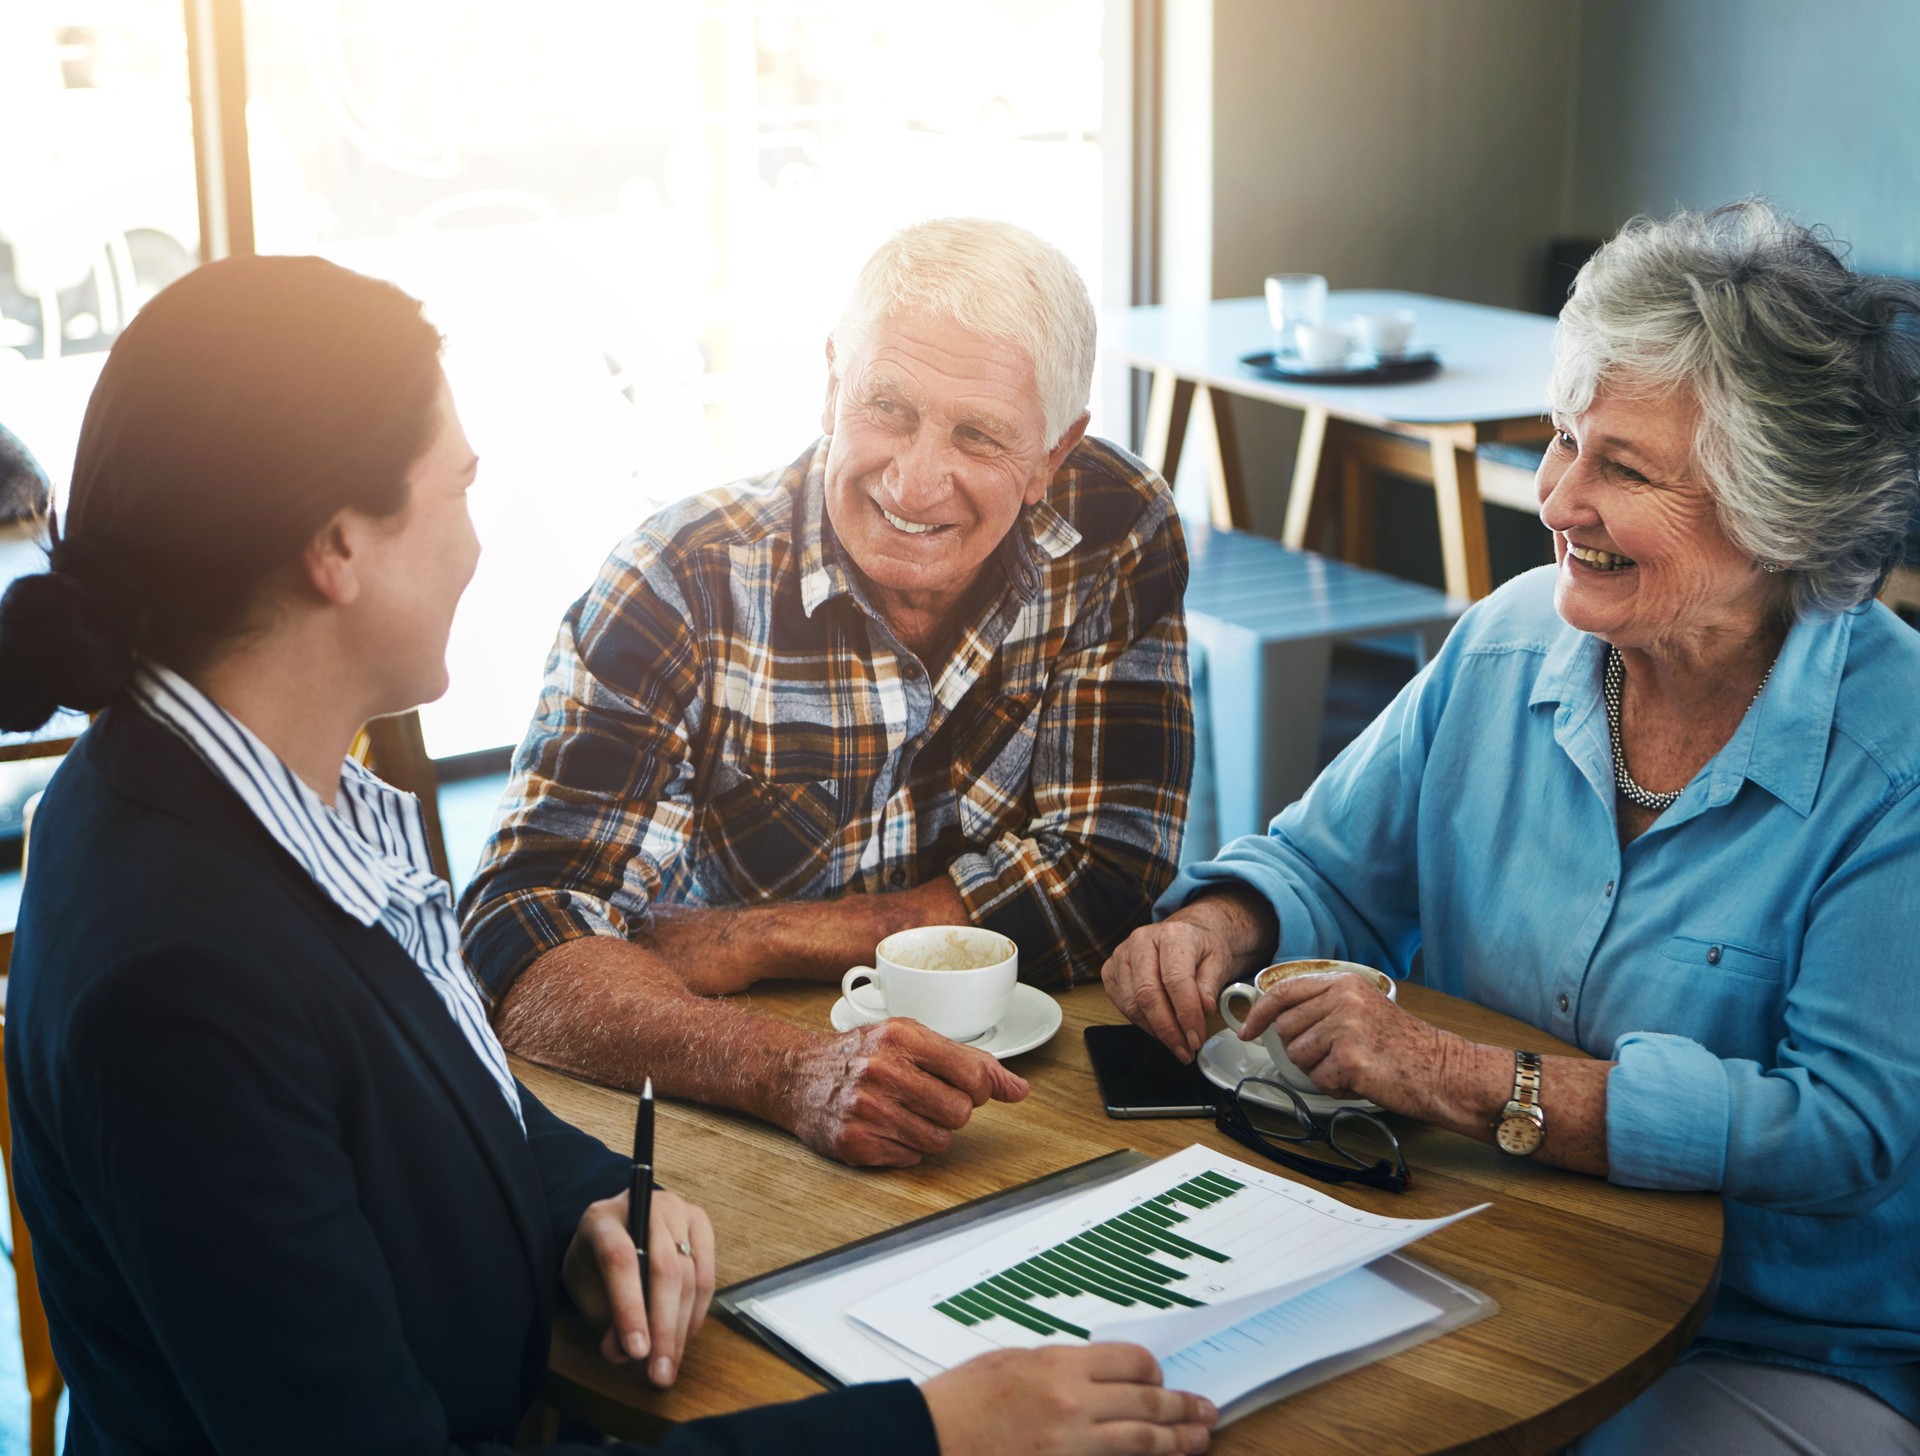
pixel 1119 1261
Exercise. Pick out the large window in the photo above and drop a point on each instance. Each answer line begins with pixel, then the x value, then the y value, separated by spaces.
pixel 98 211
pixel 635 220
pixel 97 207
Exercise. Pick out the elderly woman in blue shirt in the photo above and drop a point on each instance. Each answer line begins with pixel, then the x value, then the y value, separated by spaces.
pixel 1661 800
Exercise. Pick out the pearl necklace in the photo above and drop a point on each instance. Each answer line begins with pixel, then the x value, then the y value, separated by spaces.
pixel 1615 683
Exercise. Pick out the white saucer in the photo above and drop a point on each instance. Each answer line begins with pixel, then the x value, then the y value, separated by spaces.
pixel 1033 1018
pixel 1225 1059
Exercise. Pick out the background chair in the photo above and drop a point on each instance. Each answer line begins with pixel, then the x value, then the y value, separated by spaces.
pixel 395 749
pixel 44 1382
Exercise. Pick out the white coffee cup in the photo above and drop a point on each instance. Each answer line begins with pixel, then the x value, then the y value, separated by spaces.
pixel 1322 346
pixel 957 980
pixel 1385 331
pixel 1285 971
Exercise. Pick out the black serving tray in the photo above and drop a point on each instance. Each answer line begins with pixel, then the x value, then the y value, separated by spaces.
pixel 1392 369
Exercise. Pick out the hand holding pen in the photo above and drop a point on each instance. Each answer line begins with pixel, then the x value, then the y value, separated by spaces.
pixel 640 1185
pixel 641 1264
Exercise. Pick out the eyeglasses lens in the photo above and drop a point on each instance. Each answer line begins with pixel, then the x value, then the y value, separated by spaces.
pixel 1284 1123
pixel 1362 1139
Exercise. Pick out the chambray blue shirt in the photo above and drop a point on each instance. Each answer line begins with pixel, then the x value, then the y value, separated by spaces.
pixel 1751 962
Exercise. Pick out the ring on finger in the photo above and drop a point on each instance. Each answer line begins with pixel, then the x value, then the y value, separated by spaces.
pixel 684 1247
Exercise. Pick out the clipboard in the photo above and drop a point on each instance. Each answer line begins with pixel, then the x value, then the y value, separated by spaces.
pixel 1457 1304
pixel 729 1303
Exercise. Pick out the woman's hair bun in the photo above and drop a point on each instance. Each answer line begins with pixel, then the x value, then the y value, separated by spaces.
pixel 63 644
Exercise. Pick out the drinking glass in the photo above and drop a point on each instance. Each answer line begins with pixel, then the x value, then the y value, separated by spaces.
pixel 1294 298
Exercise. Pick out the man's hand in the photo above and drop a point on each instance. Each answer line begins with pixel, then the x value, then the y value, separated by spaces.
pixel 886 1095
pixel 1064 1401
pixel 716 951
pixel 602 1273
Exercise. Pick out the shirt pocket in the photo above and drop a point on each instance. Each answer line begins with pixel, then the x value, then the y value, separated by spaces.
pixel 773 840
pixel 994 766
pixel 1721 955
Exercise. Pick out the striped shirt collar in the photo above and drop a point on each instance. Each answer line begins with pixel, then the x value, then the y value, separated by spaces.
pixel 369 857
pixel 354 875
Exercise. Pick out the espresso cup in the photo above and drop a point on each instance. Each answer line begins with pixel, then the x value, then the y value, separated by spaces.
pixel 1322 346
pixel 957 980
pixel 1272 976
pixel 1385 331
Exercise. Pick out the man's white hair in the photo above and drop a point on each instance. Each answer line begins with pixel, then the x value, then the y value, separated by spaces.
pixel 993 279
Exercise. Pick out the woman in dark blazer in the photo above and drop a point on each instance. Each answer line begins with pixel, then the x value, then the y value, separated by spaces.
pixel 285 1194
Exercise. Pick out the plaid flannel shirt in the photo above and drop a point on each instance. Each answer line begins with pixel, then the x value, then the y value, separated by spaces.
pixel 727 720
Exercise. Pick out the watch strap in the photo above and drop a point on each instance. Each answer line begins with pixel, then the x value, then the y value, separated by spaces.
pixel 1522 1124
pixel 1526 1078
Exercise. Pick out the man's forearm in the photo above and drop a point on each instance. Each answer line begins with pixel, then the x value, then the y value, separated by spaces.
pixel 615 1012
pixel 714 951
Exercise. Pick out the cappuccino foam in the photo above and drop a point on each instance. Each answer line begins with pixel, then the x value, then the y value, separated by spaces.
pixel 956 955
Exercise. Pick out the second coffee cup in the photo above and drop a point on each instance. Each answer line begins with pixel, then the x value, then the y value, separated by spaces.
pixel 957 980
pixel 1272 976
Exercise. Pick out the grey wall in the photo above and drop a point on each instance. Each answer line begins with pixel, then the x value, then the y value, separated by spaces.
pixel 1438 145
pixel 1414 144
pixel 1391 143
pixel 1690 103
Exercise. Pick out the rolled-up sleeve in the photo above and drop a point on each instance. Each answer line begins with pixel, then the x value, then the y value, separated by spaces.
pixel 1111 768
pixel 598 808
pixel 1832 1125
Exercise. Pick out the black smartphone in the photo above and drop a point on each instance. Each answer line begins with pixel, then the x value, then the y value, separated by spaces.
pixel 1140 1078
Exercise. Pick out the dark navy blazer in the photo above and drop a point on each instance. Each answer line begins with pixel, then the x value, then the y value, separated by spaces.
pixel 277 1204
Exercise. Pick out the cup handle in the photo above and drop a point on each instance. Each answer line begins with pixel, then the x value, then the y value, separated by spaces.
pixel 1238 988
pixel 847 983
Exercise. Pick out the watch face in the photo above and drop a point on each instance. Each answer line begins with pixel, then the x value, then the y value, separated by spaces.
pixel 1519 1135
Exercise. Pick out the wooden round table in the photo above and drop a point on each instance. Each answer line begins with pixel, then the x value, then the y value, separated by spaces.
pixel 1599 1287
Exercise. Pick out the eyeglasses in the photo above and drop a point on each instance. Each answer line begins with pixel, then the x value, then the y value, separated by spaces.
pixel 1364 1148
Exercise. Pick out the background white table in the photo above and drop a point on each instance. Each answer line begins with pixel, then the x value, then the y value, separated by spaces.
pixel 1491 386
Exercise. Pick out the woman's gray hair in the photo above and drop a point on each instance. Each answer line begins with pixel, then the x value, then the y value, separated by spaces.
pixel 1807 377
pixel 993 279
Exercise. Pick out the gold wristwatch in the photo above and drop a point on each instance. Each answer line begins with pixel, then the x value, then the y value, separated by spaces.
pixel 1522 1126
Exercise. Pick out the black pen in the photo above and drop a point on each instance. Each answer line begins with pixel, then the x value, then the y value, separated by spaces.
pixel 640 1188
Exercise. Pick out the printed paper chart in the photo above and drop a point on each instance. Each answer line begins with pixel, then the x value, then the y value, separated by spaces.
pixel 1169 1255
pixel 1136 1258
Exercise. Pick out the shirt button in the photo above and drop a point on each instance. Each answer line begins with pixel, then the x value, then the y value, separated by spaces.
pixel 1563 1000
pixel 896 878
pixel 1609 889
pixel 1713 955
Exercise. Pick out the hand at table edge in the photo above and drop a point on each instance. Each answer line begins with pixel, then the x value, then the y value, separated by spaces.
pixel 1065 1400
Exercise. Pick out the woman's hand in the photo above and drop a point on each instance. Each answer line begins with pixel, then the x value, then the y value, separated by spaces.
pixel 1064 1401
pixel 1353 1042
pixel 602 1273
pixel 1167 977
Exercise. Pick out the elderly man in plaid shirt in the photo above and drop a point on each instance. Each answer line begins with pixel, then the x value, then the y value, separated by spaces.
pixel 932 672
